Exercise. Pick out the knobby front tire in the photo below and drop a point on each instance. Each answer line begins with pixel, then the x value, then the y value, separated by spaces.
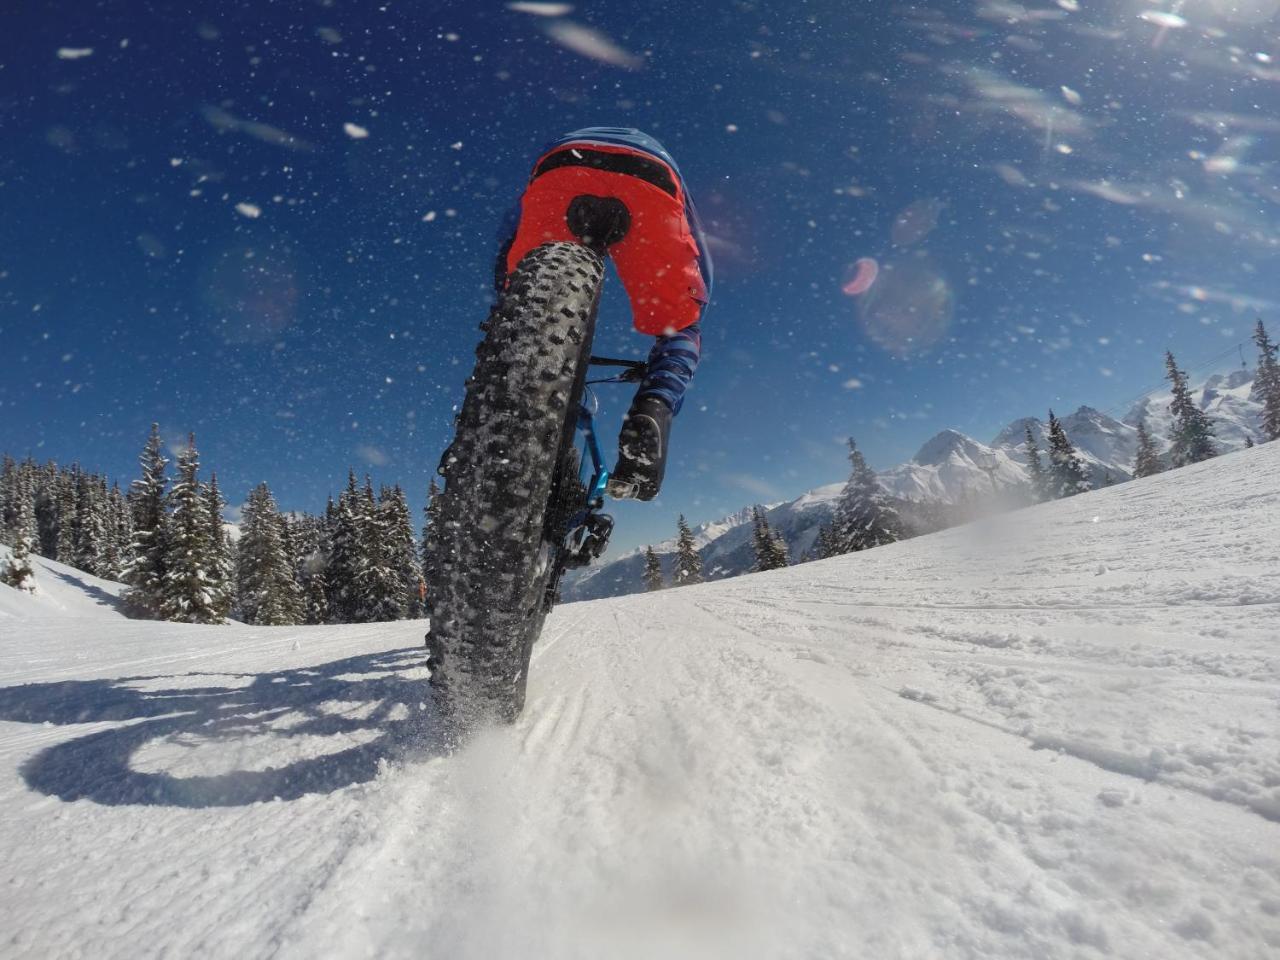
pixel 490 556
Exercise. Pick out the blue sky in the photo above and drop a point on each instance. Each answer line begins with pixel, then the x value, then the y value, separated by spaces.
pixel 194 230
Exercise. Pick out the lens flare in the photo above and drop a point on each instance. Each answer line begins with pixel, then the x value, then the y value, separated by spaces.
pixel 864 270
pixel 909 309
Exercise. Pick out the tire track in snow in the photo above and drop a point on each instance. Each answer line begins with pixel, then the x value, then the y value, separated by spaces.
pixel 430 862
pixel 1146 769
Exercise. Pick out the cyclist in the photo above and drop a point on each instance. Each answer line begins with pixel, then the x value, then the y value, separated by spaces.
pixel 662 261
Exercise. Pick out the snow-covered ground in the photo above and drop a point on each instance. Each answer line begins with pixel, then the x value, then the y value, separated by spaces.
pixel 1053 734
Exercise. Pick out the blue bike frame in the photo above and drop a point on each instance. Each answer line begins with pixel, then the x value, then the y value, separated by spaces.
pixel 586 425
pixel 599 472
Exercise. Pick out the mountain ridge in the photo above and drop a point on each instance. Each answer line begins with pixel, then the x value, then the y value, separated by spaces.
pixel 949 468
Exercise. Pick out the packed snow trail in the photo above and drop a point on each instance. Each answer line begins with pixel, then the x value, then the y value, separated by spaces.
pixel 1052 734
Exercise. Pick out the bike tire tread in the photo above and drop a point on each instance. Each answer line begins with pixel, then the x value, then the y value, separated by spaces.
pixel 488 562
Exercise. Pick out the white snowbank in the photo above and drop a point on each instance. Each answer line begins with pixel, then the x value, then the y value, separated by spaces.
pixel 61 591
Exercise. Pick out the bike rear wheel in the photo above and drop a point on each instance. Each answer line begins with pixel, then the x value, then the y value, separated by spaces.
pixel 490 553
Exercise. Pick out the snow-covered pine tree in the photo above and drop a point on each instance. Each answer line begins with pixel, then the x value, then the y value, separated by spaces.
pixel 108 561
pixel 68 519
pixel 404 550
pixel 266 590
pixel 106 520
pixel 780 552
pixel 221 566
pixel 652 570
pixel 1066 476
pixel 688 561
pixel 1035 469
pixel 430 512
pixel 324 530
pixel 308 549
pixel 303 543
pixel 91 523
pixel 25 522
pixel 770 549
pixel 759 540
pixel 316 542
pixel 328 522
pixel 1192 432
pixel 291 605
pixel 10 478
pixel 382 589
pixel 378 575
pixel 117 553
pixel 145 572
pixel 1266 384
pixel 19 503
pixel 345 570
pixel 46 487
pixel 18 571
pixel 188 595
pixel 316 586
pixel 825 546
pixel 865 517
pixel 1147 463
pixel 29 499
pixel 316 598
pixel 33 478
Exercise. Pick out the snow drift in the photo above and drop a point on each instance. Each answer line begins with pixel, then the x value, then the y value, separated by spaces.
pixel 61 591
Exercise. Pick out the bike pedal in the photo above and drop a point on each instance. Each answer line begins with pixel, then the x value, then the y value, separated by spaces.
pixel 624 490
pixel 588 542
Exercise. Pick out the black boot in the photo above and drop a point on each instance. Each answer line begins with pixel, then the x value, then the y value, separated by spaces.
pixel 642 451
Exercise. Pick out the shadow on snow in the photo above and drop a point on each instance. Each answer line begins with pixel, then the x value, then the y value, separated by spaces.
pixel 84 586
pixel 376 700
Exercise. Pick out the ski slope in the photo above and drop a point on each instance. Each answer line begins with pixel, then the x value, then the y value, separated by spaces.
pixel 1054 734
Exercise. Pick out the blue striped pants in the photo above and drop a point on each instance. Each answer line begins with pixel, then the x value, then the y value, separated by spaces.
pixel 672 363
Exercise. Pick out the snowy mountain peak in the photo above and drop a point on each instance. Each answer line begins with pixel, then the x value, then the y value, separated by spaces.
pixel 1014 436
pixel 1099 433
pixel 704 533
pixel 952 445
pixel 1085 420
pixel 1229 381
pixel 953 468
pixel 1106 445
